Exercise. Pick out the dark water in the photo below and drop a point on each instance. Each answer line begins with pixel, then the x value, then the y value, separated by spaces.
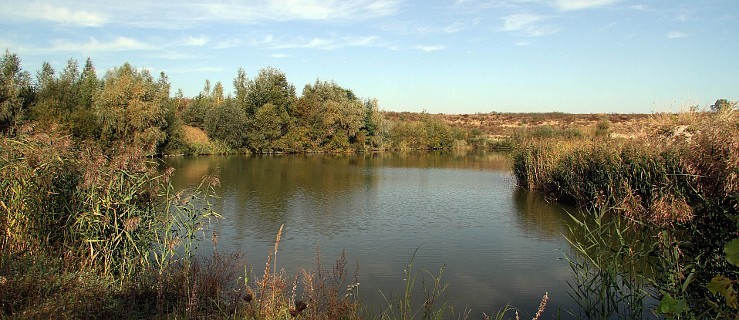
pixel 497 244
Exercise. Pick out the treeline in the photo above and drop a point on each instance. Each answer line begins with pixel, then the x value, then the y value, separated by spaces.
pixel 129 108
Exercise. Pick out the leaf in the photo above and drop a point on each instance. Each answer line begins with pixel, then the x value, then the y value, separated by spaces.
pixel 724 286
pixel 719 284
pixel 671 306
pixel 732 251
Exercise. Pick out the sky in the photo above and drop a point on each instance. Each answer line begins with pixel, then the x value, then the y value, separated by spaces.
pixel 457 56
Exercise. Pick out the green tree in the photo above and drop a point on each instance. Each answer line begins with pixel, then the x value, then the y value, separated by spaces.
pixel 723 104
pixel 270 123
pixel 131 109
pixel 375 130
pixel 16 93
pixel 269 86
pixel 84 122
pixel 332 114
pixel 241 88
pixel 195 112
pixel 227 122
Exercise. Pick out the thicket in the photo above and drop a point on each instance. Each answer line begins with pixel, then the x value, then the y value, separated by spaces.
pixel 681 179
pixel 129 107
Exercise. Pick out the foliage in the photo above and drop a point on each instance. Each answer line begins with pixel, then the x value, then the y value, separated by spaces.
pixel 269 86
pixel 404 307
pixel 131 109
pixel 332 115
pixel 228 123
pixel 429 133
pixel 16 93
pixel 723 105
pixel 609 277
pixel 683 185
pixel 269 124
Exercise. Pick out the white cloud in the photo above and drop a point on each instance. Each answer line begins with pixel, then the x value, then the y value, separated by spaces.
pixel 283 10
pixel 676 35
pixel 228 43
pixel 569 5
pixel 319 43
pixel 430 48
pixel 93 45
pixel 280 55
pixel 17 10
pixel 199 69
pixel 523 43
pixel 188 13
pixel 196 41
pixel 528 24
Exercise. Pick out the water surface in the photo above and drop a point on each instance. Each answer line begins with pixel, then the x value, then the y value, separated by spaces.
pixel 498 244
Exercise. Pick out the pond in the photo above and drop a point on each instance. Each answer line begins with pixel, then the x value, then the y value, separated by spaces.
pixel 496 243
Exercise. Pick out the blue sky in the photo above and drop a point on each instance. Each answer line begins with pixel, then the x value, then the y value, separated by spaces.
pixel 463 56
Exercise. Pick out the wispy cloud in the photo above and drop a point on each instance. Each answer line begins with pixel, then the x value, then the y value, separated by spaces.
pixel 37 11
pixel 196 41
pixel 430 48
pixel 569 5
pixel 450 28
pixel 528 24
pixel 285 10
pixel 523 43
pixel 187 13
pixel 200 69
pixel 318 43
pixel 228 43
pixel 676 35
pixel 280 55
pixel 93 45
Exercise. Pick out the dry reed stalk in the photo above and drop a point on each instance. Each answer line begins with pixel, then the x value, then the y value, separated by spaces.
pixel 266 278
pixel 542 305
pixel 274 270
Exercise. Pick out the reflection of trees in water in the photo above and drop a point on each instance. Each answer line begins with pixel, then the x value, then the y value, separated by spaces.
pixel 260 192
pixel 322 192
pixel 537 215
pixel 495 161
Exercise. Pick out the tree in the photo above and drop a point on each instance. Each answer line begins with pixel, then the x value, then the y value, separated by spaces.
pixel 333 114
pixel 270 86
pixel 241 88
pixel 196 111
pixel 84 123
pixel 270 124
pixel 723 105
pixel 375 129
pixel 16 93
pixel 130 108
pixel 228 123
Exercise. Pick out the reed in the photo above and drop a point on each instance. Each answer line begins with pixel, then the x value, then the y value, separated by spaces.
pixel 679 176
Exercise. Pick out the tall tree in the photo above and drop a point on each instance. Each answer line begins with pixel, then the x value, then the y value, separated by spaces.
pixel 333 114
pixel 131 109
pixel 84 124
pixel 269 86
pixel 16 93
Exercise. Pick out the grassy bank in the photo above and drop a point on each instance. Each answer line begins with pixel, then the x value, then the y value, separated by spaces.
pixel 87 235
pixel 678 175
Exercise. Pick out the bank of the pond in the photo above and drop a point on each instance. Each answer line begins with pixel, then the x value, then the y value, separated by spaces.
pixel 86 236
pixel 681 179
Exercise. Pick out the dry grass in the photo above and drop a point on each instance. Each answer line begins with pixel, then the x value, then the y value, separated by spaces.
pixel 496 125
pixel 195 135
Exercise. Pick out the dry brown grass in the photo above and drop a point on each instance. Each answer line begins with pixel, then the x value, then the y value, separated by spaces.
pixel 194 135
pixel 505 124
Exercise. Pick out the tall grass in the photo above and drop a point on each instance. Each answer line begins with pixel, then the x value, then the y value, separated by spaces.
pixel 679 175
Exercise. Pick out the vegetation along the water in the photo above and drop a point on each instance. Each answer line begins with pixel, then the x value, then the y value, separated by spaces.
pixel 91 228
